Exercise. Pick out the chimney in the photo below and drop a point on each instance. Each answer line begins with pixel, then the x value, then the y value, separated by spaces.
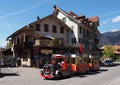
pixel 38 18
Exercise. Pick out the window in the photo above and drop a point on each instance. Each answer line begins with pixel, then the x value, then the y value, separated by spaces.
pixel 64 19
pixel 72 28
pixel 37 27
pixel 80 40
pixel 27 38
pixel 31 26
pixel 73 60
pixel 46 28
pixel 80 29
pixel 62 30
pixel 68 60
pixel 88 34
pixel 54 29
pixel 73 40
pixel 18 41
pixel 83 32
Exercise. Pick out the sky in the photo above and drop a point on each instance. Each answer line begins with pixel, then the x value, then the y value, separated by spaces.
pixel 15 14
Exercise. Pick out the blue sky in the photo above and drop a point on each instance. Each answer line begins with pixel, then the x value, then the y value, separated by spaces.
pixel 15 14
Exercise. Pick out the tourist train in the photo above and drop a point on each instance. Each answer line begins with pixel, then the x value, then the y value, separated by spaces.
pixel 68 64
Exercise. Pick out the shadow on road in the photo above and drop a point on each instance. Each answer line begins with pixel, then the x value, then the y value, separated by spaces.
pixel 93 73
pixel 102 70
pixel 8 74
pixel 83 75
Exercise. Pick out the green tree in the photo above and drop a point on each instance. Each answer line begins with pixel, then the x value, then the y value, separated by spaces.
pixel 108 52
pixel 9 44
pixel 56 42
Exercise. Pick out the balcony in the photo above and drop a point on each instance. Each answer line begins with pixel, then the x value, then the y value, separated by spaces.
pixel 23 45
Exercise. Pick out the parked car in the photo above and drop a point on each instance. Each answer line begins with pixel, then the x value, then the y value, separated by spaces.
pixel 108 63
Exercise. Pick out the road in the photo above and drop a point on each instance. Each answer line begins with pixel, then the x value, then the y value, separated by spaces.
pixel 30 76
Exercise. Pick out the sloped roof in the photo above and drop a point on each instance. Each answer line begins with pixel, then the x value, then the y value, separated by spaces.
pixel 27 28
pixel 94 20
pixel 76 18
pixel 116 49
pixel 66 14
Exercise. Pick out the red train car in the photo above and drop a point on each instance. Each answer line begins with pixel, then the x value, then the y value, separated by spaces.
pixel 60 66
pixel 94 64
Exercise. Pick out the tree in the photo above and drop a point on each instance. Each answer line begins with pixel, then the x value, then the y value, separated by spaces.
pixel 58 42
pixel 55 42
pixel 108 52
pixel 9 44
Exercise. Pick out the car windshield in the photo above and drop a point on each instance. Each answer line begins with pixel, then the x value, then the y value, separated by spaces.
pixel 108 61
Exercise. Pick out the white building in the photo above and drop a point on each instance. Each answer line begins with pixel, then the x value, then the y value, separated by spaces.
pixel 83 30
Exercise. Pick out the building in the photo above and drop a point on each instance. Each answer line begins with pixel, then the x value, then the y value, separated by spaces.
pixel 8 59
pixel 30 41
pixel 83 30
pixel 116 49
pixel 59 32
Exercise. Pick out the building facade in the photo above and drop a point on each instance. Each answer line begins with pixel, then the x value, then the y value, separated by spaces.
pixel 28 42
pixel 83 30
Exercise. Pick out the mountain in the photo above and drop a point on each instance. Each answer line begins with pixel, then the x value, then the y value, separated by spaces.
pixel 110 38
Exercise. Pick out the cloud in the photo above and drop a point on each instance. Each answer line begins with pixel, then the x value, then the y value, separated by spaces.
pixel 105 22
pixel 109 14
pixel 24 10
pixel 114 30
pixel 116 19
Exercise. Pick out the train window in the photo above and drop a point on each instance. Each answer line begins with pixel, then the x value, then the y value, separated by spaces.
pixel 67 60
pixel 80 61
pixel 73 60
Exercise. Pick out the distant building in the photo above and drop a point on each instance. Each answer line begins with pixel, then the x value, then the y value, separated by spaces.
pixel 8 59
pixel 59 32
pixel 116 49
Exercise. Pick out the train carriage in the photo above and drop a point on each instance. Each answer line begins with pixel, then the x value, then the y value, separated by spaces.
pixel 94 64
pixel 60 66
pixel 79 64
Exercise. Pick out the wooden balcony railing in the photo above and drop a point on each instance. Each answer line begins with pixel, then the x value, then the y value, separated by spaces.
pixel 23 45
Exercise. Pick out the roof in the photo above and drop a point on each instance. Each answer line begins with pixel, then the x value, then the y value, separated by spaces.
pixel 72 14
pixel 116 49
pixel 74 17
pixel 7 51
pixel 94 20
pixel 66 14
pixel 27 28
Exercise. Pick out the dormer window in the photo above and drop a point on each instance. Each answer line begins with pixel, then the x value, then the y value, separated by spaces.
pixel 64 19
pixel 72 28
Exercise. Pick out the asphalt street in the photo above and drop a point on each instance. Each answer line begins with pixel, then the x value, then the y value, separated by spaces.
pixel 31 76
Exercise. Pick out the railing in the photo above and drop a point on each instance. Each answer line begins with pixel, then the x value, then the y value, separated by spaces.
pixel 23 45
